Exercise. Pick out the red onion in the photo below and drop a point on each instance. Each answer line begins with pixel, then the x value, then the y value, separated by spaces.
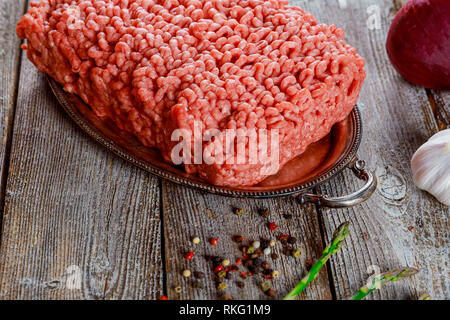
pixel 418 43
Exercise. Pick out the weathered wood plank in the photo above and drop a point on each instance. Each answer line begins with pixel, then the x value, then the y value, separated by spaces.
pixel 189 213
pixel 441 108
pixel 400 225
pixel 10 11
pixel 71 207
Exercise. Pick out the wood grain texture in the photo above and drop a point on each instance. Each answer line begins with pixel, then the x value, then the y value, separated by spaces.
pixel 10 11
pixel 399 225
pixel 73 209
pixel 440 102
pixel 189 213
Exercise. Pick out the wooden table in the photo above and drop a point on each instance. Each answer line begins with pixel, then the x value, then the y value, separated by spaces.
pixel 70 208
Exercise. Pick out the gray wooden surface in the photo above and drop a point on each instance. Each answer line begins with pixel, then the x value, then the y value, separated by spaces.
pixel 71 210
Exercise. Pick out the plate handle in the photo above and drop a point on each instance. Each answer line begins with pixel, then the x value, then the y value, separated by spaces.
pixel 353 199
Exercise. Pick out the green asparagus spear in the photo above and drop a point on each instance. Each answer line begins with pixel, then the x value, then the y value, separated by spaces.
pixel 336 243
pixel 425 296
pixel 382 278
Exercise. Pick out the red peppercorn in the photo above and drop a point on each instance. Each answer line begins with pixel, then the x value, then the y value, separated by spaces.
pixel 239 261
pixel 213 241
pixel 189 255
pixel 272 226
pixel 245 256
pixel 243 273
pixel 163 298
pixel 218 268
pixel 227 268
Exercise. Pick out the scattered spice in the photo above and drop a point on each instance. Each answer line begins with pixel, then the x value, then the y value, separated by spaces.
pixel 228 276
pixel 187 273
pixel 197 285
pixel 275 274
pixel 238 261
pixel 287 216
pixel 256 244
pixel 222 274
pixel 410 228
pixel 308 264
pixel 222 286
pixel 271 293
pixel 265 265
pixel 225 262
pixel 286 251
pixel 178 289
pixel 265 243
pixel 265 286
pixel 188 255
pixel 238 239
pixel 283 237
pixel 163 298
pixel 296 253
pixel 240 284
pixel 272 243
pixel 238 211
pixel 265 213
pixel 272 226
pixel 199 275
pixel 267 251
pixel 218 268
pixel 196 240
pixel 213 241
pixel 292 240
pixel 274 256
pixel 250 250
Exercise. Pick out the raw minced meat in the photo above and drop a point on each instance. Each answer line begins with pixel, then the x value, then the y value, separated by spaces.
pixel 155 66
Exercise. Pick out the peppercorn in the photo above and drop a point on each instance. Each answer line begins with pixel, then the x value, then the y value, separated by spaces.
pixel 272 243
pixel 187 273
pixel 283 237
pixel 197 285
pixel 265 213
pixel 222 274
pixel 274 256
pixel 226 296
pixel 234 268
pixel 248 263
pixel 286 251
pixel 265 265
pixel 199 275
pixel 250 250
pixel 256 244
pixel 228 275
pixel 214 241
pixel 243 275
pixel 271 293
pixel 196 240
pixel 253 269
pixel 238 261
pixel 178 289
pixel 218 280
pixel 221 286
pixel 163 298
pixel 217 260
pixel 238 239
pixel 265 286
pixel 238 211
pixel 268 272
pixel 287 216
pixel 218 268
pixel 292 240
pixel 225 262
pixel 296 253
pixel 240 284
pixel 257 262
pixel 244 249
pixel 188 255
pixel 275 274
pixel 264 243
pixel 308 264
pixel 272 226
pixel 267 251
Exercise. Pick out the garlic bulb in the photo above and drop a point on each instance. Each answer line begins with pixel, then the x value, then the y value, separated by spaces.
pixel 431 166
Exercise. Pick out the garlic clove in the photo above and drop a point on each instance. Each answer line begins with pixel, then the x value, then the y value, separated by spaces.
pixel 431 166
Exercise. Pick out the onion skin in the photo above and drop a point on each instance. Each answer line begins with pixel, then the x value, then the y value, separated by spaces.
pixel 418 43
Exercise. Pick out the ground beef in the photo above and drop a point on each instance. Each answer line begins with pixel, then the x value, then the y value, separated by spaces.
pixel 154 66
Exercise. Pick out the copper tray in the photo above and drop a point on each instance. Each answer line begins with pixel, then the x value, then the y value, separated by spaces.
pixel 320 162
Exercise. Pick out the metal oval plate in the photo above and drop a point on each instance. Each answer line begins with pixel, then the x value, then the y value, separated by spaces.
pixel 320 162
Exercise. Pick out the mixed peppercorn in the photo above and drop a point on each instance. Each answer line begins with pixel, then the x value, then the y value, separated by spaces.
pixel 251 262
